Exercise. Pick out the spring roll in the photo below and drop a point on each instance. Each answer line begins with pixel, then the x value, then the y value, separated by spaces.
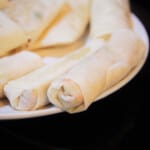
pixel 70 26
pixel 81 85
pixel 17 65
pixel 33 16
pixel 30 91
pixel 108 16
pixel 11 35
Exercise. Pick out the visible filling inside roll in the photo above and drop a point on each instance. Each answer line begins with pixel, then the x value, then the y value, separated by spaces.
pixel 23 103
pixel 69 94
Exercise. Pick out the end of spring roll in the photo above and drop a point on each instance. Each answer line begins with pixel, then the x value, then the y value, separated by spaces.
pixel 67 94
pixel 19 101
pixel 17 65
pixel 28 92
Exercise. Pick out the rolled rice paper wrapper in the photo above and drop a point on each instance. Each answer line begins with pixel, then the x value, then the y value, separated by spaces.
pixel 33 16
pixel 108 16
pixel 70 25
pixel 17 65
pixel 30 91
pixel 77 89
pixel 11 35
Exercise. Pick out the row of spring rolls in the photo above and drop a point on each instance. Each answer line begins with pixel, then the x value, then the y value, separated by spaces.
pixel 75 81
pixel 29 91
pixel 22 22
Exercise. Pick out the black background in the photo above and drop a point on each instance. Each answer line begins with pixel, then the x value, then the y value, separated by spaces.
pixel 118 122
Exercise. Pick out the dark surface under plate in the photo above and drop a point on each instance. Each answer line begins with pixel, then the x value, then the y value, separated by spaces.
pixel 118 122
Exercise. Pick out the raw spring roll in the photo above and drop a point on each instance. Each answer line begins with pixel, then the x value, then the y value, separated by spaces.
pixel 33 16
pixel 82 84
pixel 30 91
pixel 11 35
pixel 17 65
pixel 69 26
pixel 108 16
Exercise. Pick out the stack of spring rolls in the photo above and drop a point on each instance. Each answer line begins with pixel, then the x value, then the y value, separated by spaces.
pixel 37 24
pixel 74 81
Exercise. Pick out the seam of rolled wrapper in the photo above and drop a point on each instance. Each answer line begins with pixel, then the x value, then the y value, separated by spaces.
pixel 42 97
pixel 54 99
pixel 71 94
pixel 112 75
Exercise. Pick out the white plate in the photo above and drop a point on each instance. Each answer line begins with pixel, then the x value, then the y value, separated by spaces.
pixel 7 113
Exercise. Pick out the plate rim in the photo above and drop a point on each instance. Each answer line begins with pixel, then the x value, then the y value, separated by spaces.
pixel 51 110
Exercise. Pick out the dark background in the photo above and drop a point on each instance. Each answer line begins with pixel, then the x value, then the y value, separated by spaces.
pixel 118 122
